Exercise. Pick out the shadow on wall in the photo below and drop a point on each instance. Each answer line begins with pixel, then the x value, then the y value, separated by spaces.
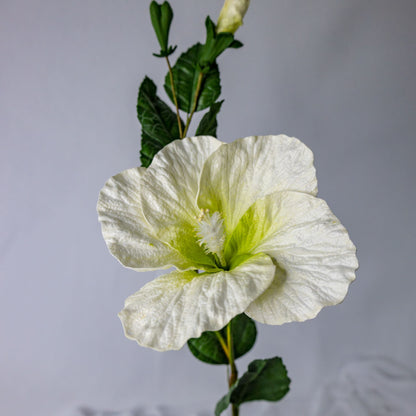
pixel 142 411
pixel 368 386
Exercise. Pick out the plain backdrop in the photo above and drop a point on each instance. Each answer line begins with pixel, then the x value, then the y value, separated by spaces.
pixel 339 75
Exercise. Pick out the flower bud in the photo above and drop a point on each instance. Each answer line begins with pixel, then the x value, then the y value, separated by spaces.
pixel 231 15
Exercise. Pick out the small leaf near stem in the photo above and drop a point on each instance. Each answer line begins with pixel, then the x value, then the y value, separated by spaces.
pixel 212 349
pixel 208 124
pixel 264 380
pixel 174 97
pixel 196 97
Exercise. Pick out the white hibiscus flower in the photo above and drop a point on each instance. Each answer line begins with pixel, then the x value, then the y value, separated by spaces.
pixel 241 224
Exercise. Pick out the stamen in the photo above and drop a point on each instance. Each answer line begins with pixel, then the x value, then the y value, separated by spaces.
pixel 210 231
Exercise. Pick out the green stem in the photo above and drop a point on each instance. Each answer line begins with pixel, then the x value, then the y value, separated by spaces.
pixel 235 410
pixel 223 344
pixel 174 97
pixel 234 373
pixel 197 91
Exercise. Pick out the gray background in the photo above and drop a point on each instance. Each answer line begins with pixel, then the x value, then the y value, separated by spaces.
pixel 339 75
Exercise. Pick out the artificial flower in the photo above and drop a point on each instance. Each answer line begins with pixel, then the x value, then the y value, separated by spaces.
pixel 241 225
pixel 231 15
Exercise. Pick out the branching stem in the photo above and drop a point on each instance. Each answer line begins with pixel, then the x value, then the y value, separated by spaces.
pixel 196 97
pixel 175 100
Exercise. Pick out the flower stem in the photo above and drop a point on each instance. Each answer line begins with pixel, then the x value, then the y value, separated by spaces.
pixel 197 91
pixel 223 344
pixel 229 352
pixel 234 373
pixel 174 97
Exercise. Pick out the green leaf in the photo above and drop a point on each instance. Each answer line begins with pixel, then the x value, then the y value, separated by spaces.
pixel 208 124
pixel 236 44
pixel 185 77
pixel 264 380
pixel 215 44
pixel 161 17
pixel 159 122
pixel 207 347
pixel 222 404
pixel 148 149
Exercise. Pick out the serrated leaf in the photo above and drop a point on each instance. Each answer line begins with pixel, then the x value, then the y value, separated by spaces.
pixel 185 77
pixel 208 124
pixel 159 122
pixel 208 349
pixel 264 380
pixel 148 149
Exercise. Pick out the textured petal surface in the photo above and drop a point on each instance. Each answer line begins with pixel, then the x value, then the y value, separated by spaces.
pixel 238 174
pixel 168 311
pixel 169 192
pixel 125 230
pixel 315 257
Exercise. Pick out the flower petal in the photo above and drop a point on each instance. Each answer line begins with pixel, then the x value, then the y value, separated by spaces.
pixel 168 311
pixel 169 192
pixel 315 257
pixel 238 174
pixel 126 232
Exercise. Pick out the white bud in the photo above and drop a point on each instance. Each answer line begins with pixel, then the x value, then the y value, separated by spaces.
pixel 231 15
